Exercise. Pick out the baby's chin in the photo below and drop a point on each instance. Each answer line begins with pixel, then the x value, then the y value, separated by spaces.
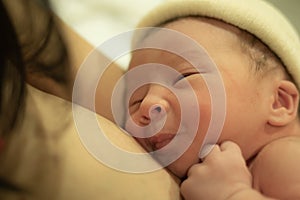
pixel 180 168
pixel 180 173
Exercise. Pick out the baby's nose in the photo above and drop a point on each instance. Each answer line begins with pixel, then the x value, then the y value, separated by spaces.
pixel 157 112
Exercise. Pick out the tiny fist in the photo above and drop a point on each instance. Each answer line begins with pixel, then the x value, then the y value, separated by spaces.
pixel 229 145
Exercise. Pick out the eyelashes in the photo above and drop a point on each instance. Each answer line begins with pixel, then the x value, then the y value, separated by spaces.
pixel 185 75
pixel 135 102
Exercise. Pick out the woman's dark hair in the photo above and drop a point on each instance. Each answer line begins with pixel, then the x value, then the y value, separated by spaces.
pixel 32 48
pixel 12 75
pixel 43 49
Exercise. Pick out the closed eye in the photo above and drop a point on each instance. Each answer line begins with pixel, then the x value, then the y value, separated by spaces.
pixel 136 102
pixel 185 75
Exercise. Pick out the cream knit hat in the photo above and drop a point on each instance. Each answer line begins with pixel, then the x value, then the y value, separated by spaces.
pixel 255 16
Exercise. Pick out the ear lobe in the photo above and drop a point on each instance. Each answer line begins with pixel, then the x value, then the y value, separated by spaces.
pixel 284 107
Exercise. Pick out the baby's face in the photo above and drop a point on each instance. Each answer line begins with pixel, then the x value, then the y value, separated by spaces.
pixel 154 102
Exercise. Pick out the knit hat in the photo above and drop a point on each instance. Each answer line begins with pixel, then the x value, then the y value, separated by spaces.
pixel 255 16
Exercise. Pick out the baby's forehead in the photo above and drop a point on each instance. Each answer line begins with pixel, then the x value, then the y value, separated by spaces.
pixel 152 56
pixel 186 39
pixel 183 32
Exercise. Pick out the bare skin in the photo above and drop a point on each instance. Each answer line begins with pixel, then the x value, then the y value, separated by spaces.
pixel 261 119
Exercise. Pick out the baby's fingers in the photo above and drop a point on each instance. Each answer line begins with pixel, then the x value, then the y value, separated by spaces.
pixel 192 188
pixel 230 146
pixel 214 151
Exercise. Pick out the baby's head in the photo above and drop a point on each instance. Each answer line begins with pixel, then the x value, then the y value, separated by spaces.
pixel 256 60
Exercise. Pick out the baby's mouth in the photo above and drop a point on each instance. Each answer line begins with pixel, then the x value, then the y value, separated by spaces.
pixel 159 141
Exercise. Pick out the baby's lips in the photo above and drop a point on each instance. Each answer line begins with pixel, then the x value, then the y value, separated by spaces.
pixel 161 140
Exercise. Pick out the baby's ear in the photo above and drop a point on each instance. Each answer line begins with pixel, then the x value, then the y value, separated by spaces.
pixel 284 106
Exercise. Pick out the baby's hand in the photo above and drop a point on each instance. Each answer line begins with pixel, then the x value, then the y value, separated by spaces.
pixel 222 174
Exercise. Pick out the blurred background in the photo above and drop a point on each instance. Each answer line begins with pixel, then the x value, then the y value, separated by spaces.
pixel 99 20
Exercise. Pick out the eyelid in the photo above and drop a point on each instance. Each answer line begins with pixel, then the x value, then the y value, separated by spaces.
pixel 136 102
pixel 184 75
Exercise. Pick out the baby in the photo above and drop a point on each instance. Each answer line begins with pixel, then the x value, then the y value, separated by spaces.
pixel 253 50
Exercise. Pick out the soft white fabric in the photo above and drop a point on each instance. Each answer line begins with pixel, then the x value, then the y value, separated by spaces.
pixel 255 16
